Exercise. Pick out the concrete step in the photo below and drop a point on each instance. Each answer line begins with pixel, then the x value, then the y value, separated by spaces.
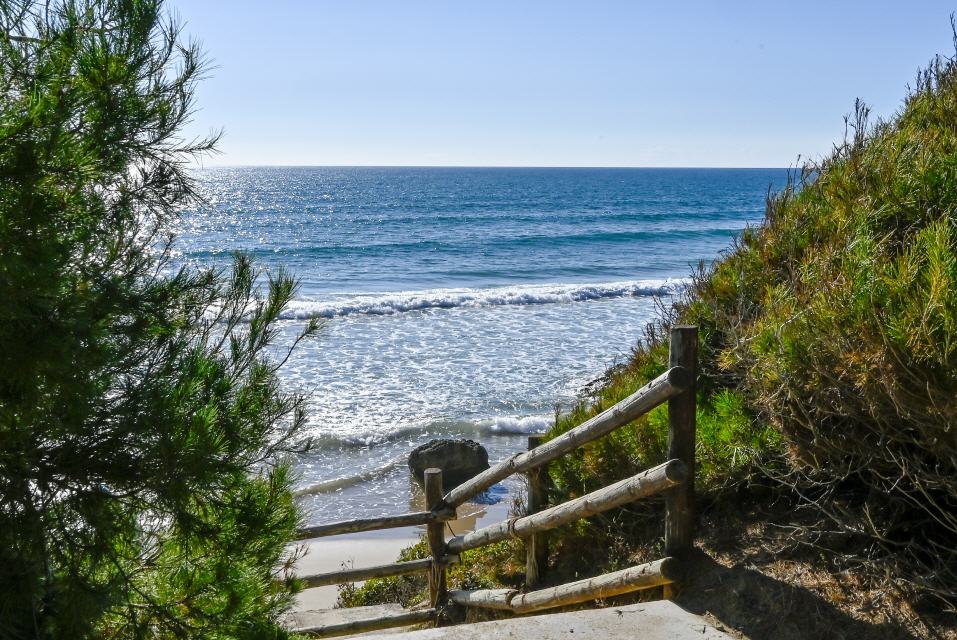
pixel 334 619
pixel 660 620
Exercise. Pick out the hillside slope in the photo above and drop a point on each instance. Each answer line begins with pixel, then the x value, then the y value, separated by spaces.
pixel 828 386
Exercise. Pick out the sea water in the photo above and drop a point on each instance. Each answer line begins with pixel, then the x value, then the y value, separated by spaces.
pixel 459 302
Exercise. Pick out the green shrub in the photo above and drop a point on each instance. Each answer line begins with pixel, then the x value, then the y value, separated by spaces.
pixel 829 334
pixel 483 568
pixel 142 427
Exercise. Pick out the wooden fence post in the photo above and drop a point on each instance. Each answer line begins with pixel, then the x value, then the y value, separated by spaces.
pixel 438 590
pixel 536 546
pixel 679 501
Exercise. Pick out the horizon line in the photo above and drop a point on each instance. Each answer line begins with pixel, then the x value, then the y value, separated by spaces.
pixel 469 166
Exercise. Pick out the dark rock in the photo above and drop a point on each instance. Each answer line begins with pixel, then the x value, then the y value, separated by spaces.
pixel 459 460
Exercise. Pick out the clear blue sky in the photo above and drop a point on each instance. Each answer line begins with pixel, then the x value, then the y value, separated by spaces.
pixel 586 83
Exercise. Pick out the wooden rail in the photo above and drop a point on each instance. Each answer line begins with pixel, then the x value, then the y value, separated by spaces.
pixel 675 478
pixel 668 385
pixel 371 524
pixel 679 516
pixel 536 545
pixel 645 576
pixel 641 485
pixel 386 621
pixel 345 576
pixel 438 591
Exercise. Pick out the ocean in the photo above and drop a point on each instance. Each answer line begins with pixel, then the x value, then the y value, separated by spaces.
pixel 459 302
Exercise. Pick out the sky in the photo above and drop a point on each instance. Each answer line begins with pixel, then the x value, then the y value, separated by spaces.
pixel 525 83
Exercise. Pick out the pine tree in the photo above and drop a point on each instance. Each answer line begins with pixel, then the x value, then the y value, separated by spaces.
pixel 143 491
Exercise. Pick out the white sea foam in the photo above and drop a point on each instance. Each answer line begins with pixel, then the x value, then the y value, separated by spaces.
pixel 363 438
pixel 501 425
pixel 342 482
pixel 404 301
pixel 526 424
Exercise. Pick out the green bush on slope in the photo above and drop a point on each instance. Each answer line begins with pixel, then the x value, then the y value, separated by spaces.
pixel 829 334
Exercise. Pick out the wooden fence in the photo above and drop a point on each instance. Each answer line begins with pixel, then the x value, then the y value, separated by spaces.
pixel 674 478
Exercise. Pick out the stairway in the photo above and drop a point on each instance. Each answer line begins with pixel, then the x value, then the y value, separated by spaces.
pixel 659 620
pixel 340 622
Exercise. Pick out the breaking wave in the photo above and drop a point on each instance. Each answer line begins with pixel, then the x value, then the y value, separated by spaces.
pixel 342 482
pixel 401 302
pixel 502 425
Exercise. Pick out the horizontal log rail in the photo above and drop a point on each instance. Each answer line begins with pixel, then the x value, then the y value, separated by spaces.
pixel 645 576
pixel 344 576
pixel 666 386
pixel 398 619
pixel 641 485
pixel 484 598
pixel 372 524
